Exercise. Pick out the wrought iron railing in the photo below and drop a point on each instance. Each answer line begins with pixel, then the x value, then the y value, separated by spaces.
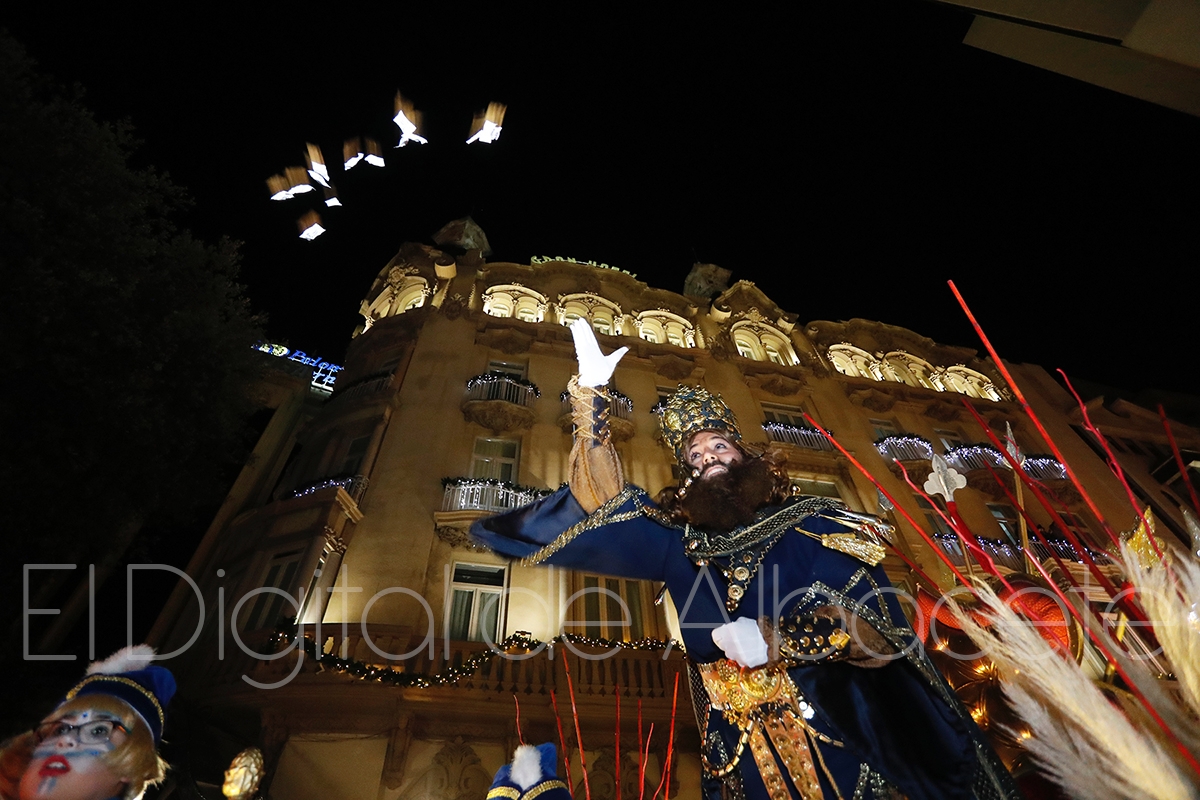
pixel 799 435
pixel 905 448
pixel 1009 555
pixel 1044 468
pixel 354 485
pixel 480 494
pixel 502 386
pixel 967 457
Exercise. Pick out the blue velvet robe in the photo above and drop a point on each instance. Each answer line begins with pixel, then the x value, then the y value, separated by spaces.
pixel 901 725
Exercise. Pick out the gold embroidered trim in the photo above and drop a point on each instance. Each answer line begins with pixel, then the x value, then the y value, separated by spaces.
pixel 123 680
pixel 602 516
pixel 542 788
pixel 504 791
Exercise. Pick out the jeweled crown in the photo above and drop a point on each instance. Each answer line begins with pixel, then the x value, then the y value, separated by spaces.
pixel 693 409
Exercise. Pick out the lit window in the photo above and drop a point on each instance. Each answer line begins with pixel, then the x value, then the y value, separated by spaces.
pixel 496 309
pixel 508 368
pixel 570 317
pixel 649 335
pixel 602 325
pixel 938 525
pixel 269 607
pixel 528 314
pixel 773 354
pixel 476 603
pixel 818 487
pixel 612 608
pixel 416 302
pixel 675 339
pixel 495 459
pixel 744 348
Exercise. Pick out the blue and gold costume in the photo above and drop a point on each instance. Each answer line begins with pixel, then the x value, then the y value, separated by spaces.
pixel 812 723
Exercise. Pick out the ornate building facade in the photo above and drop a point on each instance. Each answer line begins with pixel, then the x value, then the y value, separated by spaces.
pixel 349 521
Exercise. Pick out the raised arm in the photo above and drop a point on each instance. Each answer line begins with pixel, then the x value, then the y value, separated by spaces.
pixel 594 471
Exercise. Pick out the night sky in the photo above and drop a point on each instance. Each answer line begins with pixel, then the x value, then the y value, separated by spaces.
pixel 847 157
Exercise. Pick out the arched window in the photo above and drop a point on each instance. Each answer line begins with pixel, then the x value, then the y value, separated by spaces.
pixel 514 300
pixel 604 315
pixel 971 383
pixel 762 343
pixel 855 362
pixel 909 369
pixel 667 328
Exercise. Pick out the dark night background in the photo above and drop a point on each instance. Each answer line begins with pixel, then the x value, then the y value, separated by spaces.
pixel 847 157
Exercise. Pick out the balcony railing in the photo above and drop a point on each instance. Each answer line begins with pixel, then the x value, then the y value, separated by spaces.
pixel 969 457
pixel 502 386
pixel 905 448
pixel 354 485
pixel 477 494
pixel 1006 554
pixel 1044 468
pixel 620 406
pixel 801 436
pixel 363 387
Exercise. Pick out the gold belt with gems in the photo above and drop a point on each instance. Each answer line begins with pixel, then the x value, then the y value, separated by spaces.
pixel 512 793
pixel 764 704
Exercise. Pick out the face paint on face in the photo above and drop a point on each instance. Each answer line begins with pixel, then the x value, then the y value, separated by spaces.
pixel 63 768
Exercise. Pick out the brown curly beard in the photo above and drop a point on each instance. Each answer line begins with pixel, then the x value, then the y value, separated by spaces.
pixel 727 501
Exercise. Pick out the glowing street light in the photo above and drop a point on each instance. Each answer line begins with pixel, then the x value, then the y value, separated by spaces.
pixel 310 226
pixel 316 165
pixel 374 155
pixel 486 126
pixel 352 152
pixel 409 120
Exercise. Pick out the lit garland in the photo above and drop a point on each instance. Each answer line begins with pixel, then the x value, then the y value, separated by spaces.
pixel 548 259
pixel 618 396
pixel 345 482
pixel 771 425
pixel 488 378
pixel 519 641
pixel 920 446
pixel 516 487
pixel 1044 467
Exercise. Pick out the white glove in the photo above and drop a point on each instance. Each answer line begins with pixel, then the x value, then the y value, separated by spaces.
pixel 595 368
pixel 742 642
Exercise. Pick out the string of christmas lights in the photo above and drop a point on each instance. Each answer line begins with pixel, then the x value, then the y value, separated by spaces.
pixel 493 376
pixel 519 641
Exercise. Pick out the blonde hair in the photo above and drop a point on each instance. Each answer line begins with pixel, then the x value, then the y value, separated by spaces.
pixel 134 760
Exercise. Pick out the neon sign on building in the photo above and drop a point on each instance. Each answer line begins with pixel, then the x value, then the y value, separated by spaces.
pixel 324 373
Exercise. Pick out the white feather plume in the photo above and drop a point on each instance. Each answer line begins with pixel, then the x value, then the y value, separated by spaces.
pixel 1172 601
pixel 1079 738
pixel 526 767
pixel 127 659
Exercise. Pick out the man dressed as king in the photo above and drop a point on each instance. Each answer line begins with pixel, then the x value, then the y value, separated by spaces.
pixel 807 679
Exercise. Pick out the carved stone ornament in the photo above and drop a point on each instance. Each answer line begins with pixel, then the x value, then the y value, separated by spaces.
pixel 498 416
pixel 944 410
pixel 456 774
pixel 506 340
pixel 397 753
pixel 397 274
pixel 672 366
pixel 334 543
pixel 780 385
pixel 456 537
pixel 872 399
pixel 453 306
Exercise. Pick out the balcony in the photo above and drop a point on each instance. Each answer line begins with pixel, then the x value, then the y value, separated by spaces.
pixel 905 448
pixel 1044 468
pixel 471 494
pixel 500 402
pixel 969 457
pixel 1006 554
pixel 354 485
pixel 620 415
pixel 368 387
pixel 801 436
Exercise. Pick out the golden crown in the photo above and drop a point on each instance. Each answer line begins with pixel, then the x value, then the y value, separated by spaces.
pixel 693 409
